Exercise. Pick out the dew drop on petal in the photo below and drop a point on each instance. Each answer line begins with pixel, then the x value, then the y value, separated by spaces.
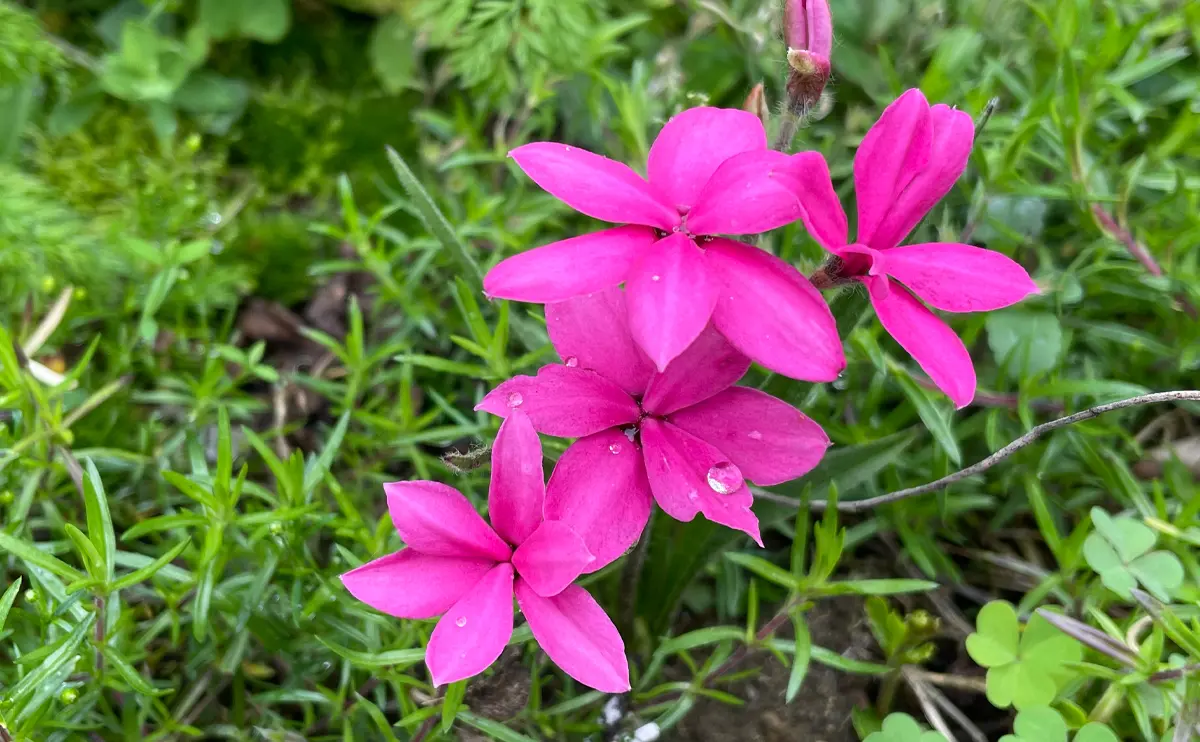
pixel 693 495
pixel 655 278
pixel 615 448
pixel 461 621
pixel 724 478
pixel 754 435
pixel 515 399
pixel 571 361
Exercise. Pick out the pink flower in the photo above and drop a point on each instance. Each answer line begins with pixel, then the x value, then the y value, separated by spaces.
pixel 710 173
pixel 909 159
pixel 457 565
pixel 685 437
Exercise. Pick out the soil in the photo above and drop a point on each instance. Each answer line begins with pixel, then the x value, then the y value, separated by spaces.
pixel 820 713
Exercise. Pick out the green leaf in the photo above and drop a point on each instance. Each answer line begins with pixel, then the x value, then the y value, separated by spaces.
pixel 1025 343
pixel 7 600
pixel 765 569
pixel 435 221
pixel 144 573
pixel 900 727
pixel 130 675
pixel 62 657
pixel 208 92
pixel 1119 551
pixel 895 586
pixel 1095 732
pixel 936 421
pixel 264 20
pixel 801 658
pixel 392 53
pixel 29 553
pixel 1039 724
pixel 397 658
pixel 99 521
pixel 493 729
pixel 452 703
pixel 316 469
pixel 997 635
pixel 87 551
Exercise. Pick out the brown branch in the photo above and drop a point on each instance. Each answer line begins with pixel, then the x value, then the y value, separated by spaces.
pixel 856 506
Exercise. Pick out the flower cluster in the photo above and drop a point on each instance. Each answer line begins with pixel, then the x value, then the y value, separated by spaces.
pixel 646 385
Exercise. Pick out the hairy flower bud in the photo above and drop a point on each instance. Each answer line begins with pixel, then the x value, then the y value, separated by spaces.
pixel 808 30
pixel 756 103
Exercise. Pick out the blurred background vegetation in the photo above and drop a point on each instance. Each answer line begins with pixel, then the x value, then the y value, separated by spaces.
pixel 200 230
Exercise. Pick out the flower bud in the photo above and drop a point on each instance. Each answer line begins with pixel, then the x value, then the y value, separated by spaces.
pixel 756 103
pixel 808 29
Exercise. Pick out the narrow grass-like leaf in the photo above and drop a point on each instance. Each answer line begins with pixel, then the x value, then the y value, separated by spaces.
pixel 35 556
pixel 7 600
pixel 801 658
pixel 99 520
pixel 144 573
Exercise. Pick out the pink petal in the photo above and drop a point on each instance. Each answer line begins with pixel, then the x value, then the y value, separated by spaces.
pixel 572 267
pixel 953 133
pixel 749 193
pixel 958 278
pixel 552 558
pixel 594 331
pixel 518 486
pixel 408 584
pixel 474 631
pixel 578 636
pixel 927 339
pixel 894 152
pixel 671 297
pixel 599 489
pixel 709 365
pixel 766 438
pixel 773 314
pixel 689 476
pixel 594 185
pixel 693 144
pixel 807 175
pixel 563 401
pixel 438 520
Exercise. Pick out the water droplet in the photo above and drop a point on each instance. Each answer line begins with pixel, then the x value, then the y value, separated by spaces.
pixel 515 399
pixel 461 621
pixel 615 448
pixel 754 435
pixel 724 478
pixel 571 361
pixel 693 495
pixel 655 278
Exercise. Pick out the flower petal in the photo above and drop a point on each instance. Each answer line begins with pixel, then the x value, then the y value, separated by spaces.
pixel 594 331
pixel 599 489
pixel 594 185
pixel 518 487
pixel 807 175
pixel 563 401
pixel 670 296
pixel 894 151
pixel 408 584
pixel 440 521
pixel 927 339
pixel 709 365
pixel 953 133
pixel 578 636
pixel 571 267
pixel 693 144
pixel 773 314
pixel 552 558
pixel 748 194
pixel 689 476
pixel 766 438
pixel 474 631
pixel 958 278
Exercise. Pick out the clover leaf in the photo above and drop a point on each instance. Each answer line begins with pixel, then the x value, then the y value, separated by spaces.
pixel 1119 551
pixel 1044 724
pixel 903 728
pixel 1025 668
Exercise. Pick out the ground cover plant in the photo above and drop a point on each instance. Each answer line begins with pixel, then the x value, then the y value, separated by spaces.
pixel 531 369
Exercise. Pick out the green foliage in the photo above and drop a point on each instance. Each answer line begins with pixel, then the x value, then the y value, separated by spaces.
pixel 1044 724
pixel 264 20
pixel 1025 665
pixel 25 52
pixel 903 728
pixel 1120 552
